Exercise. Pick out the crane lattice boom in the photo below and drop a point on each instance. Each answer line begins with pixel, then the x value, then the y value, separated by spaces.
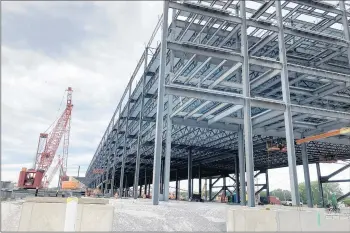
pixel 55 137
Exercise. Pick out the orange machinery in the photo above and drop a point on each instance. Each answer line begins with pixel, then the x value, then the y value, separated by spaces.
pixel 342 131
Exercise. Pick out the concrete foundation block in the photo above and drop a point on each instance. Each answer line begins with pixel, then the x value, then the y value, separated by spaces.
pixel 37 215
pixel 230 220
pixel 288 220
pixel 94 217
pixel 239 220
pixel 42 217
pixel 310 221
pixel 260 220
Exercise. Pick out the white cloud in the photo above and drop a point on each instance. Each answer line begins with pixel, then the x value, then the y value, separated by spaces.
pixel 98 70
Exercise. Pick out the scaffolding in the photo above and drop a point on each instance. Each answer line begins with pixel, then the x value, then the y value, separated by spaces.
pixel 226 77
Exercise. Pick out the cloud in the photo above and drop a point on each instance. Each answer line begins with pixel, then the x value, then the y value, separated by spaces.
pixel 92 47
pixel 49 46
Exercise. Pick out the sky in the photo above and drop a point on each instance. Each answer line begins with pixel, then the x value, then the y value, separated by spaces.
pixel 92 47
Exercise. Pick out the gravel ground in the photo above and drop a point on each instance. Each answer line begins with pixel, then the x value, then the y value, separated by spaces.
pixel 141 215
pixel 10 215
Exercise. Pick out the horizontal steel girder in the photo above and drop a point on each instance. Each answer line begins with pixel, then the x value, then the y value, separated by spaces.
pixel 220 96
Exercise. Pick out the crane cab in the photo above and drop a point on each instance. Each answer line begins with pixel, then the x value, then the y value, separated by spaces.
pixel 30 179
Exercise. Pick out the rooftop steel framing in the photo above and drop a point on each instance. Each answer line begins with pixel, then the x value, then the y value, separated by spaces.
pixel 298 85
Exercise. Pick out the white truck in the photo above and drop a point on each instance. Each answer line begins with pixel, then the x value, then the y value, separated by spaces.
pixel 289 203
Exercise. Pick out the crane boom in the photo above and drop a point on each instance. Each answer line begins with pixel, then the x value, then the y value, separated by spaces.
pixel 53 172
pixel 46 151
pixel 55 137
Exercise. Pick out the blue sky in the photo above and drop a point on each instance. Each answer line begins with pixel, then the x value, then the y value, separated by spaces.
pixel 92 47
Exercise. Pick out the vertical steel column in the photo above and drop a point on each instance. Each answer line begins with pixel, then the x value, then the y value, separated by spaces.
pixel 237 179
pixel 267 184
pixel 189 174
pixel 206 189
pixel 320 188
pixel 287 113
pixel 115 152
pixel 345 25
pixel 169 121
pixel 248 136
pixel 126 193
pixel 162 177
pixel 145 181
pixel 200 180
pixel 210 188
pixel 122 169
pixel 176 185
pixel 140 193
pixel 138 152
pixel 306 174
pixel 160 107
pixel 168 149
pixel 224 188
pixel 241 161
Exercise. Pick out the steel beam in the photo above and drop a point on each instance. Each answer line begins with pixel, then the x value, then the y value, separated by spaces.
pixel 288 111
pixel 189 165
pixel 225 114
pixel 138 152
pixel 168 150
pixel 320 188
pixel 160 107
pixel 306 175
pixel 121 182
pixel 248 135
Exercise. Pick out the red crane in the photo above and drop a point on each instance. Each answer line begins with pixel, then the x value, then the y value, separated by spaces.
pixel 47 147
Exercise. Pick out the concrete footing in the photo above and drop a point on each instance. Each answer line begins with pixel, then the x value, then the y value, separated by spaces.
pixel 258 219
pixel 49 214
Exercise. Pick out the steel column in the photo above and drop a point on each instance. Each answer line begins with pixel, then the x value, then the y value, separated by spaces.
pixel 237 179
pixel 345 25
pixel 241 161
pixel 288 112
pixel 206 189
pixel 200 180
pixel 169 121
pixel 115 153
pixel 162 177
pixel 168 150
pixel 320 188
pixel 247 109
pixel 125 142
pixel 176 185
pixel 138 152
pixel 306 174
pixel 267 183
pixel 189 192
pixel 210 188
pixel 146 182
pixel 160 107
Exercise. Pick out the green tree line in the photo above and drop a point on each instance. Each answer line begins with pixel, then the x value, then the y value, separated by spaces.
pixel 328 190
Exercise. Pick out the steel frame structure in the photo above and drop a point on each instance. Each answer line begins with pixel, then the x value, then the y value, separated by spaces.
pixel 226 77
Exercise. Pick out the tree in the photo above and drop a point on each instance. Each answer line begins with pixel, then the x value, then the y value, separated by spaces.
pixel 281 194
pixel 347 201
pixel 328 190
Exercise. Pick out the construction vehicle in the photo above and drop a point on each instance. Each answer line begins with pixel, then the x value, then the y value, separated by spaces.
pixel 42 173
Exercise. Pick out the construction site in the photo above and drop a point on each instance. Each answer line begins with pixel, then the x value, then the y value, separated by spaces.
pixel 224 91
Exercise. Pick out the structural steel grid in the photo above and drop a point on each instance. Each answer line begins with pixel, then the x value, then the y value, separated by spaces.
pixel 226 77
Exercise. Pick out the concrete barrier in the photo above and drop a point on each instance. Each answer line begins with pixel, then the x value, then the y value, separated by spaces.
pixel 259 219
pixel 55 214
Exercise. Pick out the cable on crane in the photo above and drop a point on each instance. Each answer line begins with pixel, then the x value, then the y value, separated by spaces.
pixel 58 111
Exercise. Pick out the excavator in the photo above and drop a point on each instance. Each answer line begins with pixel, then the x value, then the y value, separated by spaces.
pixel 42 173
